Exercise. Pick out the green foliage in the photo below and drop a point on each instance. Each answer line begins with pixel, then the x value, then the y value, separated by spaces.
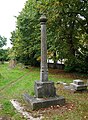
pixel 67 29
pixel 2 41
pixel 26 38
pixel 3 55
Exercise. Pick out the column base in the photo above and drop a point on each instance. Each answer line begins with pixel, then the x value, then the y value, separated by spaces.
pixel 44 89
pixel 38 103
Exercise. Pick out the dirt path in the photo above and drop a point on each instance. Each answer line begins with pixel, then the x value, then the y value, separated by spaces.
pixel 13 82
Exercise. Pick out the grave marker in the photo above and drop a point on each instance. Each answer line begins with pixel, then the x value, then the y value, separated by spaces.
pixel 45 92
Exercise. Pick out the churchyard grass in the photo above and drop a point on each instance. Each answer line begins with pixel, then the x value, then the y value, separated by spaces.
pixel 17 81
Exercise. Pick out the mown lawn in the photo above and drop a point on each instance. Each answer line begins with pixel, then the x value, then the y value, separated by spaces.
pixel 17 81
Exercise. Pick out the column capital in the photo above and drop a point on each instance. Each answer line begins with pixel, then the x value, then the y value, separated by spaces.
pixel 43 19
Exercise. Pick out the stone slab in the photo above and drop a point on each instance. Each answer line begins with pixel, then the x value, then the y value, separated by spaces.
pixel 78 87
pixel 78 82
pixel 37 103
pixel 71 90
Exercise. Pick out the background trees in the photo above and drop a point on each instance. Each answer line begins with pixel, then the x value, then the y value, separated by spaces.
pixel 2 41
pixel 26 38
pixel 67 32
pixel 3 53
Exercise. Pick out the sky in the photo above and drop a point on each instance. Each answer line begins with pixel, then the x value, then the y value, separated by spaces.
pixel 9 9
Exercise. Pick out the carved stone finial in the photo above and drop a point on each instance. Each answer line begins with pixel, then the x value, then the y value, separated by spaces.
pixel 43 18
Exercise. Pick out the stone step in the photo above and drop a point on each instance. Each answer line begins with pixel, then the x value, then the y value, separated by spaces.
pixel 78 82
pixel 37 103
pixel 78 87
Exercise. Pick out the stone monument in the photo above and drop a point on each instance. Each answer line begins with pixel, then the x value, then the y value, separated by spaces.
pixel 78 85
pixel 12 63
pixel 45 92
pixel 44 88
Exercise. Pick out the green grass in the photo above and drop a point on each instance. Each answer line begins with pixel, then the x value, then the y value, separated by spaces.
pixel 17 81
pixel 8 75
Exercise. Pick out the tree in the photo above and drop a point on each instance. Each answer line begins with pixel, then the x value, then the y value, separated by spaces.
pixel 3 53
pixel 74 21
pixel 2 41
pixel 25 40
pixel 68 22
pixel 67 29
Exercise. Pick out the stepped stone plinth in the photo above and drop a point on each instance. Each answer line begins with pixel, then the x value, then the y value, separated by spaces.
pixel 78 85
pixel 37 103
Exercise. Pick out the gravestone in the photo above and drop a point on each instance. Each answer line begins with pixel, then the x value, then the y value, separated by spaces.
pixel 78 85
pixel 12 63
pixel 45 92
pixel 44 88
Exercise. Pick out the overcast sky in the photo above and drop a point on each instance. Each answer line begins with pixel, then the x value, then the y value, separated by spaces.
pixel 9 9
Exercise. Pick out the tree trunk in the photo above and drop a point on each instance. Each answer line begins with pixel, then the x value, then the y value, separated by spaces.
pixel 70 40
pixel 55 61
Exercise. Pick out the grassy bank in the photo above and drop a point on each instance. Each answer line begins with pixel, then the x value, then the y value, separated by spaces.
pixel 15 82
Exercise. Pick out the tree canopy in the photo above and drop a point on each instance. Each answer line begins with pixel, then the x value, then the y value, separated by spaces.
pixel 67 33
pixel 2 41
pixel 3 53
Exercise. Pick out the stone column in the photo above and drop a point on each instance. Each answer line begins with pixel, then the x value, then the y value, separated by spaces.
pixel 45 92
pixel 44 88
pixel 44 68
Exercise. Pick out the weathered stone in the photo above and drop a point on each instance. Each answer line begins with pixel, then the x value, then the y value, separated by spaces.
pixel 78 82
pixel 45 92
pixel 44 66
pixel 78 87
pixel 60 82
pixel 27 115
pixel 44 89
pixel 37 103
pixel 12 63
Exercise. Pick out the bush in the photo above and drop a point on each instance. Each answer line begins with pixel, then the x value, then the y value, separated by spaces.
pixel 79 64
pixel 28 60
